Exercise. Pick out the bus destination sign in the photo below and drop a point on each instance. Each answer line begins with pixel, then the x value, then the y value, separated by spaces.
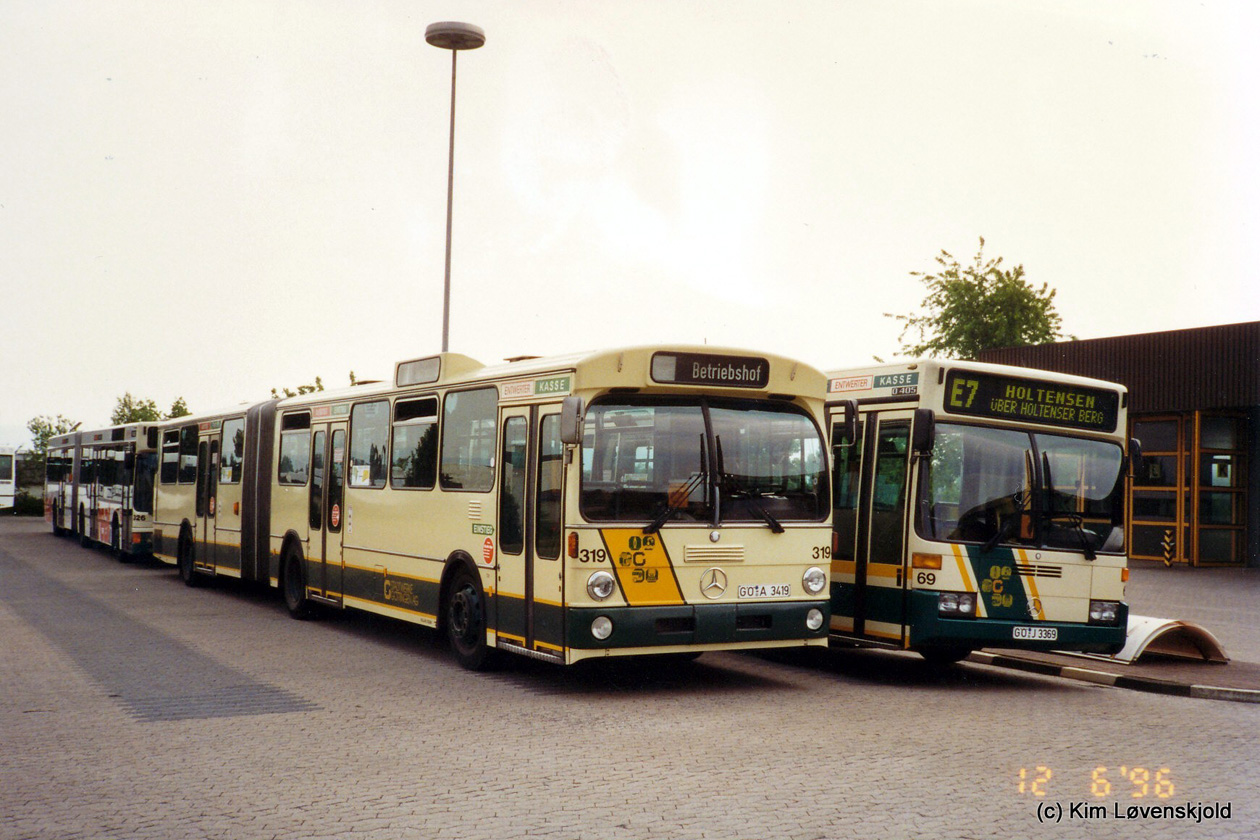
pixel 711 369
pixel 1031 401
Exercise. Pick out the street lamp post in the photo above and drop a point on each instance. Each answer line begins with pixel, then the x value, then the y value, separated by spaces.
pixel 453 36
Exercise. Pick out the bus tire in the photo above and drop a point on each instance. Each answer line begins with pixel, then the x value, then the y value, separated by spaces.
pixel 465 621
pixel 184 561
pixel 293 585
pixel 940 657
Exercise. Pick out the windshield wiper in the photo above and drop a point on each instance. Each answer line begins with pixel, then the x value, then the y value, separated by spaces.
pixel 752 496
pixel 1007 526
pixel 674 502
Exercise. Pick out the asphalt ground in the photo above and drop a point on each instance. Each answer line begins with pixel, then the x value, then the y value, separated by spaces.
pixel 134 707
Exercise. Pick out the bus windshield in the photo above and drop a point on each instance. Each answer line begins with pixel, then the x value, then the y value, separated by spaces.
pixel 701 460
pixel 1002 486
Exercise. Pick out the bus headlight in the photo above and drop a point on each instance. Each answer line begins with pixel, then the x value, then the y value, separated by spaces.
pixel 1104 612
pixel 600 586
pixel 814 580
pixel 814 619
pixel 601 627
pixel 956 605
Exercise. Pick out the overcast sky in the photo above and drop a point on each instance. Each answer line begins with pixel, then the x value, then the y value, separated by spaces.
pixel 209 200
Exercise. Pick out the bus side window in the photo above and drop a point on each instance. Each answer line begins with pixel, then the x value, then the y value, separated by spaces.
pixel 548 531
pixel 847 472
pixel 469 434
pixel 170 456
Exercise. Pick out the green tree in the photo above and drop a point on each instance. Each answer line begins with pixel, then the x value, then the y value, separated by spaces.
pixel 131 409
pixel 44 429
pixel 977 307
pixel 179 408
pixel 301 389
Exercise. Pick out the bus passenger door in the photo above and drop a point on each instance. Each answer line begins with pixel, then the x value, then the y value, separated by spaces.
pixel 547 504
pixel 880 569
pixel 326 566
pixel 514 584
pixel 204 551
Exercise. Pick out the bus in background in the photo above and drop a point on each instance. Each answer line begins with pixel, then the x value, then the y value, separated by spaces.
pixel 977 506
pixel 647 500
pixel 98 485
pixel 8 477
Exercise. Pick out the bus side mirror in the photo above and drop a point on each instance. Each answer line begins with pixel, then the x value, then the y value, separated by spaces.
pixel 924 430
pixel 571 421
pixel 1137 462
pixel 129 461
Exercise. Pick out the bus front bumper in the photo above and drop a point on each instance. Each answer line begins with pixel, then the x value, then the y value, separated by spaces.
pixel 696 624
pixel 929 630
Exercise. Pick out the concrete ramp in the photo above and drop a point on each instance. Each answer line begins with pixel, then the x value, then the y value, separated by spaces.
pixel 1168 637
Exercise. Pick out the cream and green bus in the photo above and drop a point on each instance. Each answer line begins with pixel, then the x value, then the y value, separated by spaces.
pixel 977 506
pixel 645 500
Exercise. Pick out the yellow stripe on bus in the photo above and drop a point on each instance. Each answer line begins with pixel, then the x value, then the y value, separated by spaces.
pixel 1031 584
pixel 643 567
pixel 962 568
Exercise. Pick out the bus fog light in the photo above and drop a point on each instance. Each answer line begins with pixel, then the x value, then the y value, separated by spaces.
pixel 815 580
pixel 1104 612
pixel 814 619
pixel 601 628
pixel 600 585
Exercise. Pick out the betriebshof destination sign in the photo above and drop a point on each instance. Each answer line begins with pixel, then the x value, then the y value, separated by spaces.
pixel 711 369
pixel 1031 401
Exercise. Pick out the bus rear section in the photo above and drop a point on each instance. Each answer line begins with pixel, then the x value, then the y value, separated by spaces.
pixel 978 506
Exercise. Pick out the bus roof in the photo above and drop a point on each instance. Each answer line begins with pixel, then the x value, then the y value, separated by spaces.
pixel 882 380
pixel 593 369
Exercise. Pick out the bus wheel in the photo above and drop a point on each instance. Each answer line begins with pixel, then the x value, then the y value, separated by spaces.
pixel 939 657
pixel 466 621
pixel 300 607
pixel 187 571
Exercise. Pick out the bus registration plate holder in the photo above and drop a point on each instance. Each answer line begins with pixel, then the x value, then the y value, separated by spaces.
pixel 1038 634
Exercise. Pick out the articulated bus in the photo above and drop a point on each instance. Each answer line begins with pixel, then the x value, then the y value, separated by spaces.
pixel 8 477
pixel 977 506
pixel 98 485
pixel 646 500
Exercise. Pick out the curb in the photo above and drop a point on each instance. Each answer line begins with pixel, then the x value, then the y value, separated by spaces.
pixel 1147 684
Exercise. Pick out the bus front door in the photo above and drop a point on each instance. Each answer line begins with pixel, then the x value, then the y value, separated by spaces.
pixel 326 566
pixel 529 598
pixel 871 483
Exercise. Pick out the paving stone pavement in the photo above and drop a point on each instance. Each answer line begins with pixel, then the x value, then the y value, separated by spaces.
pixel 357 727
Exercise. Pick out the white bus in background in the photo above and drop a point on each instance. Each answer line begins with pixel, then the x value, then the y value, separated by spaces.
pixel 98 486
pixel 8 476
